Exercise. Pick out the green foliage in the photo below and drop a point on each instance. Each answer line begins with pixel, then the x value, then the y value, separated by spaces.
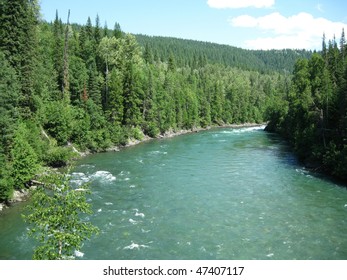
pixel 58 156
pixel 315 119
pixel 23 157
pixel 19 43
pixel 114 88
pixel 80 128
pixel 137 133
pixel 9 97
pixel 57 121
pixel 197 54
pixel 276 114
pixel 118 134
pixel 55 218
pixel 6 181
pixel 151 129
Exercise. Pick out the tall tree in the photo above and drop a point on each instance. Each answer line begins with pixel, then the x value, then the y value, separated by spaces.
pixel 66 82
pixel 9 96
pixel 111 51
pixel 9 101
pixel 117 31
pixel 97 31
pixel 89 29
pixel 58 50
pixel 18 41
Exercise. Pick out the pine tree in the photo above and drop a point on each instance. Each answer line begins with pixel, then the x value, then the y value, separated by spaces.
pixel 58 50
pixel 97 31
pixel 9 101
pixel 217 104
pixel 111 52
pixel 66 82
pixel 89 29
pixel 115 102
pixel 6 181
pixel 18 41
pixel 96 42
pixel 94 84
pixel 324 48
pixel 78 78
pixel 147 55
pixel 117 31
pixel 343 45
pixel 132 97
pixel 171 63
pixel 105 30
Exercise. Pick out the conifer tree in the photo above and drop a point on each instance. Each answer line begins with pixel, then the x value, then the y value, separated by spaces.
pixel 9 101
pixel 115 109
pixel 18 41
pixel 89 29
pixel 97 31
pixel 117 31
pixel 66 82
pixel 58 50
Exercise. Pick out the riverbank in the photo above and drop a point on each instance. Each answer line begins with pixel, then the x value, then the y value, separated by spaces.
pixel 169 134
pixel 172 133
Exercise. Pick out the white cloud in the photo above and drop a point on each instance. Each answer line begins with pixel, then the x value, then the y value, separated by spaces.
pixel 280 42
pixel 298 31
pixel 244 21
pixel 236 4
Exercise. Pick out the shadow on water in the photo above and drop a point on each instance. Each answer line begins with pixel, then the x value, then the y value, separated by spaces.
pixel 286 154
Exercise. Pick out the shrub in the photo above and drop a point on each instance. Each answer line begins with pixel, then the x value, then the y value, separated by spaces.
pixel 24 159
pixel 58 156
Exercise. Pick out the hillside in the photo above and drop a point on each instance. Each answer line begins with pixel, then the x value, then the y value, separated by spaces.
pixel 192 53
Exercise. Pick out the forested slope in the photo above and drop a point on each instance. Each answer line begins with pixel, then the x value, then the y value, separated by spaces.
pixel 313 116
pixel 194 54
pixel 94 88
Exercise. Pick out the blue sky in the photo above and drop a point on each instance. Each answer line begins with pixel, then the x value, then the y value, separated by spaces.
pixel 251 24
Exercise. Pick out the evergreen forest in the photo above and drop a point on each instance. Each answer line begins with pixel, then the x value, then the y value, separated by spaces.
pixel 68 87
pixel 313 116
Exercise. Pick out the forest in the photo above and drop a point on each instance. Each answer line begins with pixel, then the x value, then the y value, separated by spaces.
pixel 68 87
pixel 313 116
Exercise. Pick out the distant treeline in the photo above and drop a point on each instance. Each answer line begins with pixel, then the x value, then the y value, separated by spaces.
pixel 195 54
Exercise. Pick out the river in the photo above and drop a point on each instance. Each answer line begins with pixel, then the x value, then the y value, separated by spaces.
pixel 219 194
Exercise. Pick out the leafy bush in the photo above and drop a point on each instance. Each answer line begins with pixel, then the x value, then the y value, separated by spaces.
pixel 6 182
pixel 58 156
pixel 151 130
pixel 57 122
pixel 24 159
pixel 137 133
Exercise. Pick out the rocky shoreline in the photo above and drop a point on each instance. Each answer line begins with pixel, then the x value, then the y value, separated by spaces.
pixel 18 196
pixel 23 195
pixel 171 133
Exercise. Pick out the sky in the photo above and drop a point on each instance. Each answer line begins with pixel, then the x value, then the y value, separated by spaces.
pixel 249 24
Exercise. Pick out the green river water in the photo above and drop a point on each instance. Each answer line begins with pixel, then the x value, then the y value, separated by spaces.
pixel 218 194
